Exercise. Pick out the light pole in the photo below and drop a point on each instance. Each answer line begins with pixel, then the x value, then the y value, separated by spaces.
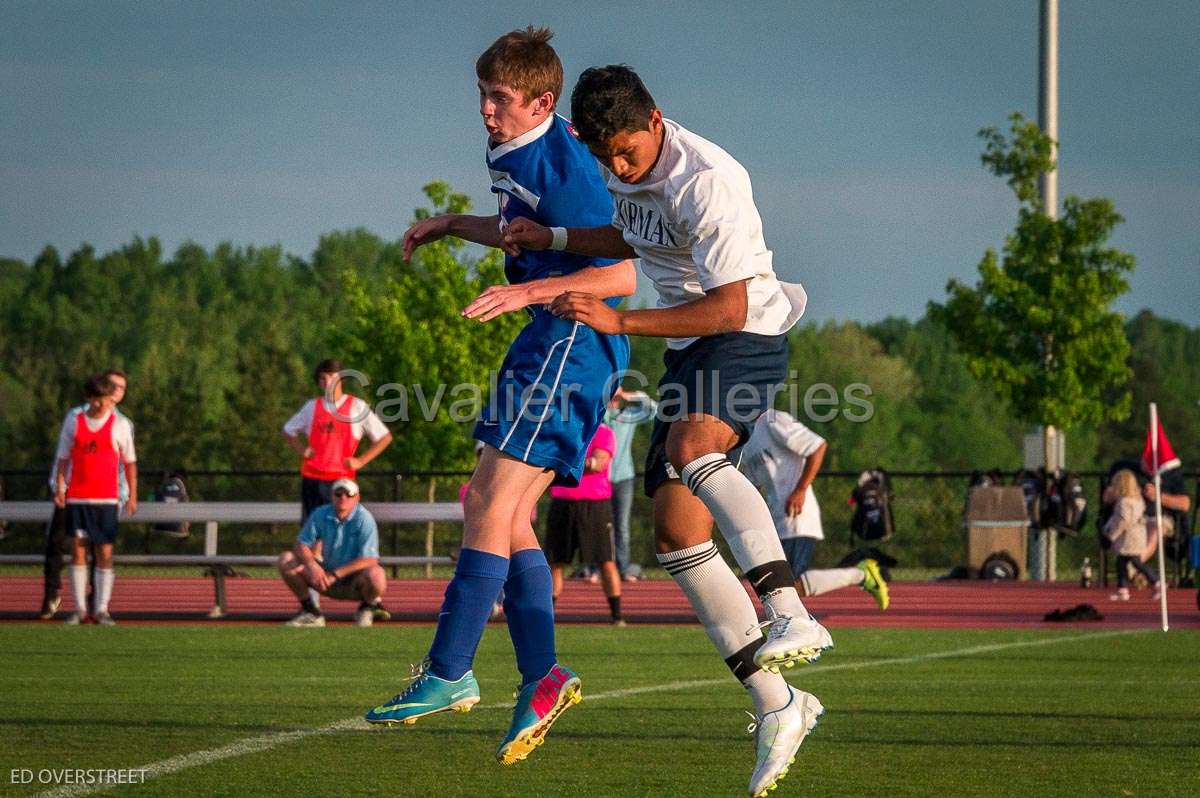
pixel 1048 121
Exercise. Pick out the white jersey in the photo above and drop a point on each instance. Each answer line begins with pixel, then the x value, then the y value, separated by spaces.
pixel 693 223
pixel 362 419
pixel 773 459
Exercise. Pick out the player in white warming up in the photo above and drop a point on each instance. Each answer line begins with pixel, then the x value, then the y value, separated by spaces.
pixel 783 458
pixel 685 208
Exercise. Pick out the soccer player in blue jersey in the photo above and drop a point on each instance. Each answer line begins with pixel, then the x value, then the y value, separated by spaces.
pixel 548 402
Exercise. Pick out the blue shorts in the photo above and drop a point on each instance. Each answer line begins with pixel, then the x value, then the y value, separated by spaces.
pixel 799 552
pixel 733 377
pixel 314 493
pixel 94 522
pixel 550 395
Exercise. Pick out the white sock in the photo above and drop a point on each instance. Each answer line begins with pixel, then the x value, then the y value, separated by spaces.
pixel 827 579
pixel 314 597
pixel 769 691
pixel 79 580
pixel 745 520
pixel 720 602
pixel 104 586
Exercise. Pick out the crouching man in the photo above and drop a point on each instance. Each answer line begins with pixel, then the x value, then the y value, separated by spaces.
pixel 349 568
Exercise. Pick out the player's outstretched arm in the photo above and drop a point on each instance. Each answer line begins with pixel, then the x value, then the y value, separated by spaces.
pixel 723 309
pixel 483 230
pixel 619 279
pixel 598 242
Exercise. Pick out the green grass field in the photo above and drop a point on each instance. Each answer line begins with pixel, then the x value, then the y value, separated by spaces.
pixel 920 713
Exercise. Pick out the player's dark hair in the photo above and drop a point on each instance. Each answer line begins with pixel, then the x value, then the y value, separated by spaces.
pixel 116 373
pixel 327 366
pixel 97 385
pixel 525 61
pixel 609 100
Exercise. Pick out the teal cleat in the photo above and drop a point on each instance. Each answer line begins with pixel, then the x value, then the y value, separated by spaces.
pixel 426 695
pixel 538 705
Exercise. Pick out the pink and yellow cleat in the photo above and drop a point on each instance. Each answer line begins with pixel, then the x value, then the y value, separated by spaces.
pixel 538 705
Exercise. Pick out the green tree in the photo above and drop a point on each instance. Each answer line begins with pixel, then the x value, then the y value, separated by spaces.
pixel 404 328
pixel 1165 359
pixel 1037 327
pixel 841 355
pixel 972 426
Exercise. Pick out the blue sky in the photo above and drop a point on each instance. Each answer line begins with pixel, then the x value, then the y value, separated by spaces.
pixel 272 123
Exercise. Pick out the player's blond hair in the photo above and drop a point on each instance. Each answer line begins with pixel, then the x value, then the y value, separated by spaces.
pixel 1125 484
pixel 523 60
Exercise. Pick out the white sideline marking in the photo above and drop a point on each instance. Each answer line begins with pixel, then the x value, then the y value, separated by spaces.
pixel 265 742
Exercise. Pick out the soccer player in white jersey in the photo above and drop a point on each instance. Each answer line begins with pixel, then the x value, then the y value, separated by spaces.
pixel 684 207
pixel 783 458
pixel 93 447
pixel 59 538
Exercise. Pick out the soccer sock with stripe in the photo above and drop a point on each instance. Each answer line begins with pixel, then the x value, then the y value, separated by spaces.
pixel 477 581
pixel 728 616
pixel 827 579
pixel 529 610
pixel 103 588
pixel 745 520
pixel 79 582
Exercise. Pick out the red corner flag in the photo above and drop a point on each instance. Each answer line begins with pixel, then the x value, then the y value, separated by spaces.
pixel 1166 455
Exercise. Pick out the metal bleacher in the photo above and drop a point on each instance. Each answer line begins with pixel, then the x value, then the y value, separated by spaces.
pixel 213 514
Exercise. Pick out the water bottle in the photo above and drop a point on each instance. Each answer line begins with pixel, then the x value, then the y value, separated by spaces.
pixel 1085 573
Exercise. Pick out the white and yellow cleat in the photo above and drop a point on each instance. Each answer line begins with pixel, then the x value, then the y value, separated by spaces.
pixel 791 639
pixel 778 736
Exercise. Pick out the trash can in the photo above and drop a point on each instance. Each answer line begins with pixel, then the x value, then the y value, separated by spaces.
pixel 996 527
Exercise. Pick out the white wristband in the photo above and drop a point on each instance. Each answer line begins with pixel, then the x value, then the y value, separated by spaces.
pixel 558 240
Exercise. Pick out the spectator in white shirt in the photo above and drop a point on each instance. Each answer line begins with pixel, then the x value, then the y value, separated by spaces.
pixel 783 458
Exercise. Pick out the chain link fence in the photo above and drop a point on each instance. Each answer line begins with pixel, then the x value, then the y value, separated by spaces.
pixel 928 510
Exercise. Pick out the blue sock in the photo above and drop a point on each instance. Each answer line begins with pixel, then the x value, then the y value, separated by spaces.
pixel 470 595
pixel 530 612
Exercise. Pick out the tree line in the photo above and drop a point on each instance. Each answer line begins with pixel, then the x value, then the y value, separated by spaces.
pixel 219 345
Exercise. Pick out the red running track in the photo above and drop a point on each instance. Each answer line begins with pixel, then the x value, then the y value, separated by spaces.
pixel 921 605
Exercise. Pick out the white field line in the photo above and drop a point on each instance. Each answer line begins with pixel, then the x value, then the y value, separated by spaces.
pixel 265 742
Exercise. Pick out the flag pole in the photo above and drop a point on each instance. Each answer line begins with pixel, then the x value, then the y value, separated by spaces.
pixel 1158 518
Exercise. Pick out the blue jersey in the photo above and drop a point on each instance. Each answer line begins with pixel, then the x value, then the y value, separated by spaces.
pixel 550 393
pixel 549 176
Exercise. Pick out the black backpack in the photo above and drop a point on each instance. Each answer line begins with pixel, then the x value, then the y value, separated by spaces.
pixel 872 499
pixel 1037 505
pixel 172 489
pixel 1072 504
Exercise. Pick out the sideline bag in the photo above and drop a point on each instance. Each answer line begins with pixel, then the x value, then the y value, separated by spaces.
pixel 872 501
pixel 173 490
